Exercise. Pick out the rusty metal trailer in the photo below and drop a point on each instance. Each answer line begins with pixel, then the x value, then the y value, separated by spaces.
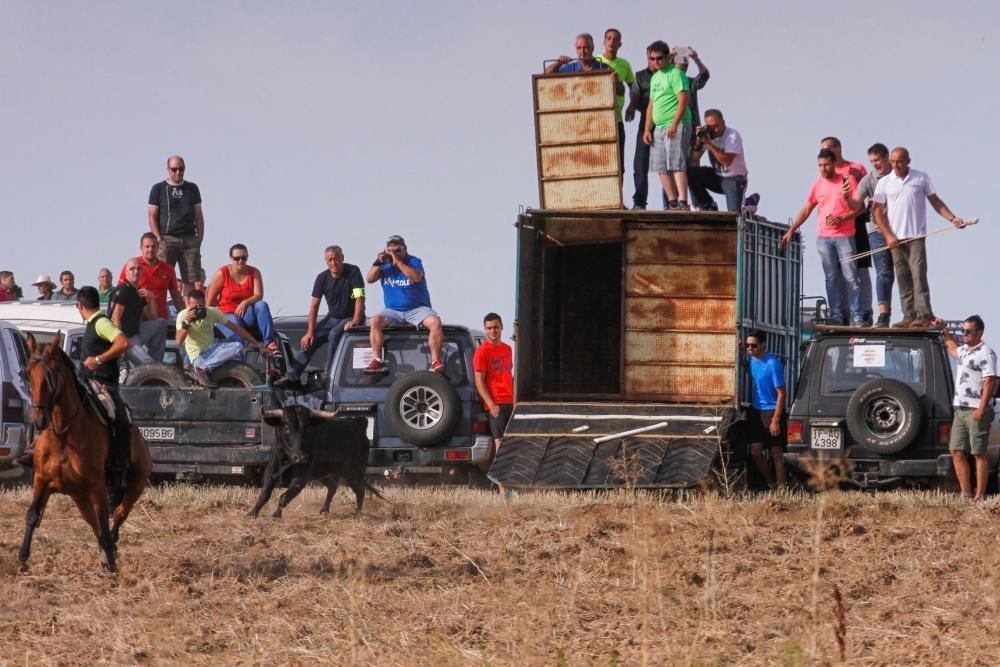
pixel 627 368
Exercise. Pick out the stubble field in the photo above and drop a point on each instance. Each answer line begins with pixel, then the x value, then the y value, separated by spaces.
pixel 458 577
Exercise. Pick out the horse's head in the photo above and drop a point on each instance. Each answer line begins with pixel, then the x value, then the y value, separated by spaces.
pixel 45 375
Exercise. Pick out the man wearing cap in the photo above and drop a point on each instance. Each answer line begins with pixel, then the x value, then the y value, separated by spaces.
pixel 176 220
pixel 68 290
pixel 343 289
pixel 407 301
pixel 45 287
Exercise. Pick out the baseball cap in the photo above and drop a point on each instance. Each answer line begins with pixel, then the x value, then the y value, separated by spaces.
pixel 395 239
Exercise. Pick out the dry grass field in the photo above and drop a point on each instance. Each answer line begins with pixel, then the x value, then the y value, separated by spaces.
pixel 459 577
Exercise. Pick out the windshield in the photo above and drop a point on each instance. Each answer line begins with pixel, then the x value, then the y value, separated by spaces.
pixel 846 367
pixel 403 354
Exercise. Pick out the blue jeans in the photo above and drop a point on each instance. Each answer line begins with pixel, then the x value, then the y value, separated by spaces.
pixel 640 167
pixel 841 277
pixel 258 314
pixel 884 275
pixel 702 179
pixel 328 330
pixel 215 355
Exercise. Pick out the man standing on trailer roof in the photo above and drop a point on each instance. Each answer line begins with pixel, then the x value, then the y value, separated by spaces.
pixel 623 72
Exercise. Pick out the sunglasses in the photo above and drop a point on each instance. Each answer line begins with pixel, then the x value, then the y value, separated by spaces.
pixel 969 332
pixel 239 258
pixel 176 168
pixel 657 58
pixel 753 346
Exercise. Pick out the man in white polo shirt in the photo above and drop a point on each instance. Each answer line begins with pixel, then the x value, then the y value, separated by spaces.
pixel 905 193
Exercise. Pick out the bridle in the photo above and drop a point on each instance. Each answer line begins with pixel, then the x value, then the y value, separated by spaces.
pixel 55 386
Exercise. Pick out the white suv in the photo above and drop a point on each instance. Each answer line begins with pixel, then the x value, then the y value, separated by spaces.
pixel 15 401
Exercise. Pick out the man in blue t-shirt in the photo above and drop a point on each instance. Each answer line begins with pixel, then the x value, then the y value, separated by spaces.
pixel 407 301
pixel 585 60
pixel 766 415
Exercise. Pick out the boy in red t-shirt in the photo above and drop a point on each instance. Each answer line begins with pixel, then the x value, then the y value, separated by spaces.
pixel 494 365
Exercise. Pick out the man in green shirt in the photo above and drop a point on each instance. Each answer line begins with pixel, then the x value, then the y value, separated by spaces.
pixel 623 71
pixel 196 332
pixel 668 131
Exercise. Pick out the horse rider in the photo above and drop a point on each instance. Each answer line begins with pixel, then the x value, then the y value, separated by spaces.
pixel 102 344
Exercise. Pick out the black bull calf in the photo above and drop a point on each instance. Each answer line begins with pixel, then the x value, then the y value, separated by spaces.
pixel 313 445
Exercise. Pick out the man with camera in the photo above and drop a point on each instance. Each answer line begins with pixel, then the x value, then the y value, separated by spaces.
pixel 728 173
pixel 195 331
pixel 407 301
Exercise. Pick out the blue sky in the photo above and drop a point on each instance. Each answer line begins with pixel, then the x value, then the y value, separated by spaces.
pixel 312 123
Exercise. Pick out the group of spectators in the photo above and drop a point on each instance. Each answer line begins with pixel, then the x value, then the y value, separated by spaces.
pixel 866 218
pixel 671 138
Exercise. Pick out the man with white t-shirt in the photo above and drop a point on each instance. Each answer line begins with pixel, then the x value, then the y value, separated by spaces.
pixel 728 173
pixel 900 209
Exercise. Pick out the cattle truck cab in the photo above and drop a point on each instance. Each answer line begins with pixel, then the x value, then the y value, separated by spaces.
pixel 420 423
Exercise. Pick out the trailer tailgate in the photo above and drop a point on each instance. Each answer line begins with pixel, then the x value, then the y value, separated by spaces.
pixel 608 445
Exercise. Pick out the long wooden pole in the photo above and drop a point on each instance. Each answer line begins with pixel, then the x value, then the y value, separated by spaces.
pixel 869 253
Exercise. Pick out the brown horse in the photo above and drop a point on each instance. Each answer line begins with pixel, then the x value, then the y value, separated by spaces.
pixel 70 450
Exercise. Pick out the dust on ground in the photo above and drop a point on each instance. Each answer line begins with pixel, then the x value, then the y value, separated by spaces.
pixel 445 576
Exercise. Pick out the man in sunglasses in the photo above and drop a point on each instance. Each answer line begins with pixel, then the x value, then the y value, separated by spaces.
pixel 766 415
pixel 656 55
pixel 975 384
pixel 176 220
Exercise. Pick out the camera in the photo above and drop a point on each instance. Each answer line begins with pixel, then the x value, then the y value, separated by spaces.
pixel 199 313
pixel 704 133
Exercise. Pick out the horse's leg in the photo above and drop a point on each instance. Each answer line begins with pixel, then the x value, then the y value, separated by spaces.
pixel 39 498
pixel 294 488
pixel 138 478
pixel 94 508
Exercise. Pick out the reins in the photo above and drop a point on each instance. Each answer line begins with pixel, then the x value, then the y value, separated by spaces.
pixel 55 387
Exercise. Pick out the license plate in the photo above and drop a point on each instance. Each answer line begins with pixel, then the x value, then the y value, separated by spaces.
pixel 826 438
pixel 158 432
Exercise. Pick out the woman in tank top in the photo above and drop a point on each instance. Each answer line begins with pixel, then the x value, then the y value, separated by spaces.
pixel 237 289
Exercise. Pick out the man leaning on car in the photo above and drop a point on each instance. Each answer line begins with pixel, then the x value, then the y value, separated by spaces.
pixel 975 382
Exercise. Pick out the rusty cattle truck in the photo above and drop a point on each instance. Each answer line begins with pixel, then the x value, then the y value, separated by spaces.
pixel 627 369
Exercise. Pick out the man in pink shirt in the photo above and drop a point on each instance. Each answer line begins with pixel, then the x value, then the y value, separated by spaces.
pixel 835 238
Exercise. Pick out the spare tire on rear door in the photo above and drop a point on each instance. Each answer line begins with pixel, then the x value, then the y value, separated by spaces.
pixel 884 416
pixel 422 408
pixel 236 374
pixel 156 375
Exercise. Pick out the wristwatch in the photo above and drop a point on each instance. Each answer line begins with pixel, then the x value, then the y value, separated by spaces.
pixel 98 360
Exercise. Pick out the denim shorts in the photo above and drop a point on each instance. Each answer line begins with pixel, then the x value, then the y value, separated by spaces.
pixel 414 316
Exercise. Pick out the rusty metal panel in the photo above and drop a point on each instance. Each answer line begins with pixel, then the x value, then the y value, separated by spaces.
pixel 567 231
pixel 585 160
pixel 577 128
pixel 583 193
pixel 708 384
pixel 680 347
pixel 692 280
pixel 576 135
pixel 686 314
pixel 567 92
pixel 681 244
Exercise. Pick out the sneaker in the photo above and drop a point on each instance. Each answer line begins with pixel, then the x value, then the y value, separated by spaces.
pixel 200 375
pixel 882 321
pixel 682 205
pixel 921 322
pixel 903 324
pixel 858 324
pixel 437 367
pixel 273 347
pixel 376 367
pixel 638 207
pixel 708 207
pixel 285 381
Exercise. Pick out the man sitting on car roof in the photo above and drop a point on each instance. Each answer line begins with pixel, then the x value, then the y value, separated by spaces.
pixel 407 301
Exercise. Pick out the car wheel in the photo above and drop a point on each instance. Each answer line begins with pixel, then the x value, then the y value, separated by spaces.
pixel 884 416
pixel 156 375
pixel 422 408
pixel 236 375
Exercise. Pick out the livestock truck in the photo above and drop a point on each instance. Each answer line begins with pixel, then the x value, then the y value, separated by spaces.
pixel 627 368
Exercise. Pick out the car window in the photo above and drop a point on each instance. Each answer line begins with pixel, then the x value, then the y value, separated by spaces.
pixel 20 349
pixel 846 367
pixel 402 355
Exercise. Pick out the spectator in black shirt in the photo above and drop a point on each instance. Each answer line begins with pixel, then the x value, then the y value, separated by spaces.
pixel 137 318
pixel 343 288
pixel 175 218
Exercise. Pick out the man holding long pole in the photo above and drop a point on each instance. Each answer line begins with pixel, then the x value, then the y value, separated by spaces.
pixel 905 193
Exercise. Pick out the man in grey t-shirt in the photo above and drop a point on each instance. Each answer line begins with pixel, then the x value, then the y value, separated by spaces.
pixel 878 156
